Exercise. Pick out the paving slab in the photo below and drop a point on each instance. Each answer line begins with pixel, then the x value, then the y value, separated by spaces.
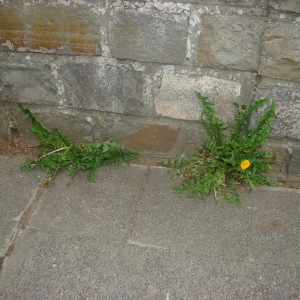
pixel 17 190
pixel 102 209
pixel 68 267
pixel 189 224
pixel 275 226
pixel 128 236
pixel 232 279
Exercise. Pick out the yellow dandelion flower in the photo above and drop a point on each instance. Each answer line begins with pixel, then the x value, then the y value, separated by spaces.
pixel 245 164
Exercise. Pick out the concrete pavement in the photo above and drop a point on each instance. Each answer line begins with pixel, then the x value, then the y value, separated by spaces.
pixel 128 236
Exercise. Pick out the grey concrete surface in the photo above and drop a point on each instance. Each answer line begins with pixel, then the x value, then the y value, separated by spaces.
pixel 128 236
pixel 17 190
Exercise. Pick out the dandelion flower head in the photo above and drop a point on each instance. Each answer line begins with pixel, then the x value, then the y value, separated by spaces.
pixel 245 164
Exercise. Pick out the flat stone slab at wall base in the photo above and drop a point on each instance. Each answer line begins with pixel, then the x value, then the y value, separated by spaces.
pixel 294 169
pixel 154 138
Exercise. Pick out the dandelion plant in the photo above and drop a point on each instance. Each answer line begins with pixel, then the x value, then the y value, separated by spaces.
pixel 227 159
pixel 59 153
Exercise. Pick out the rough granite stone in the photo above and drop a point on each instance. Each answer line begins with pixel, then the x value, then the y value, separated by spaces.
pixel 280 48
pixel 229 41
pixel 148 36
pixel 27 83
pixel 154 138
pixel 11 28
pixel 294 168
pixel 117 89
pixel 126 70
pixel 50 29
pixel 73 124
pixel 287 123
pixel 176 98
pixel 240 3
pixel 151 135
pixel 287 5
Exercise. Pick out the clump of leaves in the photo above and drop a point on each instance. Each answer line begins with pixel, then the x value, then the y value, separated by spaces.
pixel 58 153
pixel 227 159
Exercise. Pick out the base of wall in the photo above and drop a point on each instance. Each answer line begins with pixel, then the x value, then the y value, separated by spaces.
pixel 157 139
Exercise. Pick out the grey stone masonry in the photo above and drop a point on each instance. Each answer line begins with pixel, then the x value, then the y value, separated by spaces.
pixel 229 41
pixel 287 98
pixel 176 98
pixel 103 88
pixel 128 70
pixel 281 48
pixel 148 36
pixel 29 83
pixel 286 6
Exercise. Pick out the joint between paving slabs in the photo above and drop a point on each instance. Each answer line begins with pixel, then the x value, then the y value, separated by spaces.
pixel 137 207
pixel 22 225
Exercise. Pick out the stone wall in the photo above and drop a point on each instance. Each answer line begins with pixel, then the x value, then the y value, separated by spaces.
pixel 126 70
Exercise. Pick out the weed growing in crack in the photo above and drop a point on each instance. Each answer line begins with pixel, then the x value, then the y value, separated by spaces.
pixel 58 153
pixel 227 160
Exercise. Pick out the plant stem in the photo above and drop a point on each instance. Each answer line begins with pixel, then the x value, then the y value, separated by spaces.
pixel 52 178
pixel 47 154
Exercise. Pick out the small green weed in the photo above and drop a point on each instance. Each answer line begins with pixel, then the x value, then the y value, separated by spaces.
pixel 58 153
pixel 226 160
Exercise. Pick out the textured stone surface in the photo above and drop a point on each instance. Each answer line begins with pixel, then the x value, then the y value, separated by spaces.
pixel 294 168
pixel 279 171
pixel 176 98
pixel 11 27
pixel 229 41
pixel 154 138
pixel 192 137
pixel 221 2
pixel 111 88
pixel 273 220
pixel 148 36
pixel 125 235
pixel 287 123
pixel 16 192
pixel 280 48
pixel 73 124
pixel 56 2
pixel 287 5
pixel 51 29
pixel 14 127
pixel 102 70
pixel 27 83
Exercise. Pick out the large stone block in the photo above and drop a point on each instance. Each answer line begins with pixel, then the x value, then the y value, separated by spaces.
pixel 56 2
pixel 149 135
pixel 50 29
pixel 229 41
pixel 176 98
pixel 153 138
pixel 12 32
pixel 287 5
pixel 27 83
pixel 218 2
pixel 192 137
pixel 294 168
pixel 72 123
pixel 14 126
pixel 148 36
pixel 117 89
pixel 281 48
pixel 287 123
